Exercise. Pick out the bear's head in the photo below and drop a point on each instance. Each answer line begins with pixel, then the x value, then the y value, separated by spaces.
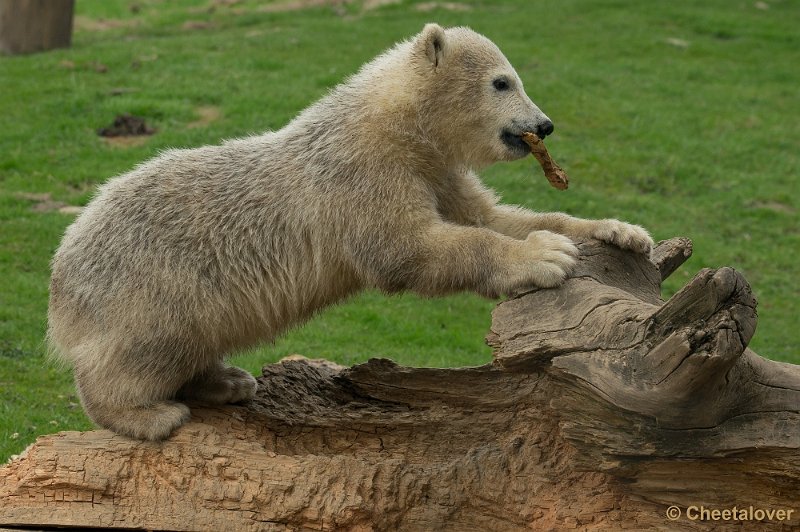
pixel 472 99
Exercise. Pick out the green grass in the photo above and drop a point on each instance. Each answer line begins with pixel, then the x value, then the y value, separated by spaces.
pixel 681 116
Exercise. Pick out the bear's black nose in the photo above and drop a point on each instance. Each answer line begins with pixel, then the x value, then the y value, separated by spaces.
pixel 544 129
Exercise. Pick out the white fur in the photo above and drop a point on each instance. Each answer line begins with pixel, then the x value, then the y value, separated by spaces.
pixel 201 252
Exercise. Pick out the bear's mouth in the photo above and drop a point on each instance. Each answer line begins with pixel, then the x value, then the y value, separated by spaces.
pixel 514 141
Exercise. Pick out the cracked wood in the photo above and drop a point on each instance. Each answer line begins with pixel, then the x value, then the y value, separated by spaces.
pixel 603 406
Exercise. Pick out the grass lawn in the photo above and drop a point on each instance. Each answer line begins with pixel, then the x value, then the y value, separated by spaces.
pixel 681 116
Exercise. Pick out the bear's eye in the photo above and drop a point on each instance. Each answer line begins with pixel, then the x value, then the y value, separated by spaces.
pixel 501 84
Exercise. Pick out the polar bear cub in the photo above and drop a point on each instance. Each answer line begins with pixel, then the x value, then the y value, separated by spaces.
pixel 201 252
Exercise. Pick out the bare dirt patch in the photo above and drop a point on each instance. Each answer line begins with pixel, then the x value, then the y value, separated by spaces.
pixel 43 202
pixel 282 6
pixel 447 6
pixel 126 131
pixel 297 5
pixel 775 206
pixel 213 5
pixel 84 23
pixel 125 142
pixel 205 115
pixel 126 125
pixel 375 4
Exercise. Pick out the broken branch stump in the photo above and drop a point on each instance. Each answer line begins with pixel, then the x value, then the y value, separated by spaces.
pixel 603 407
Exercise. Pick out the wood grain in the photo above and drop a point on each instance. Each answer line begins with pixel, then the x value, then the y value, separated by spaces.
pixel 603 406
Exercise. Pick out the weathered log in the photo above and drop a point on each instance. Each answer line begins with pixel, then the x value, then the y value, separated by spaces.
pixel 603 408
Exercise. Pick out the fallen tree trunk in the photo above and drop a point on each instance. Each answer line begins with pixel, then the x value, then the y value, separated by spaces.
pixel 604 408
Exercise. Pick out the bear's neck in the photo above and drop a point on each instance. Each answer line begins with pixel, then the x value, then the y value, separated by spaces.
pixel 353 131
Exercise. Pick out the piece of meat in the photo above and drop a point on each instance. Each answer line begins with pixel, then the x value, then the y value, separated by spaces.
pixel 554 174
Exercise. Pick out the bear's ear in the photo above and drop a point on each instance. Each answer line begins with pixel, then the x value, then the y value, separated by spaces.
pixel 431 43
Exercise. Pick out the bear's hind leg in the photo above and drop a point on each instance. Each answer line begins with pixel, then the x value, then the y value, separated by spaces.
pixel 131 408
pixel 155 421
pixel 219 385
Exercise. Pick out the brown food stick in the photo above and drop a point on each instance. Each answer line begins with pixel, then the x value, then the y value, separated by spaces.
pixel 554 174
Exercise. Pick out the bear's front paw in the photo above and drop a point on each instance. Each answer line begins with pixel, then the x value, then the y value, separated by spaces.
pixel 623 235
pixel 553 257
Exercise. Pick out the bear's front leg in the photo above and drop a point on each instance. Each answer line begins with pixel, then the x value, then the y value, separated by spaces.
pixel 518 223
pixel 446 258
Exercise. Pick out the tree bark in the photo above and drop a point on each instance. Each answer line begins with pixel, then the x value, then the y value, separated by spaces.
pixel 35 25
pixel 603 408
